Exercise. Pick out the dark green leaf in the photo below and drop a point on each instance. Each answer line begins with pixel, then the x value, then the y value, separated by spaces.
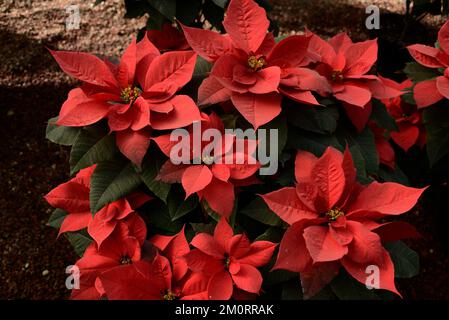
pixel 436 121
pixel 188 11
pixel 178 206
pixel 166 7
pixel 149 173
pixel 65 136
pixel 111 181
pixel 160 219
pixel 258 210
pixel 381 116
pixel 291 290
pixel 56 218
pixel 418 73
pixel 221 3
pixel 396 175
pixel 347 288
pixel 406 261
pixel 314 118
pixel 80 240
pixel 89 149
pixel 312 142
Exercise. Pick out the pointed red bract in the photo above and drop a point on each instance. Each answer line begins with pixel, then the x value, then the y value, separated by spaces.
pixel 339 226
pixel 231 260
pixel 143 86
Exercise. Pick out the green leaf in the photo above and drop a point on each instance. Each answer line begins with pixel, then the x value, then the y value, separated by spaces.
pixel 279 124
pixel 80 240
pixel 405 260
pixel 418 73
pixel 202 68
pixel 65 136
pixel 259 211
pixel 56 218
pixel 166 7
pixel 363 149
pixel 272 234
pixel 291 290
pixel 149 173
pixel 221 3
pixel 396 175
pixel 160 219
pixel 111 181
pixel 188 11
pixel 436 121
pixel 89 148
pixel 347 288
pixel 178 206
pixel 381 116
pixel 314 118
pixel 279 276
pixel 312 142
pixel 203 227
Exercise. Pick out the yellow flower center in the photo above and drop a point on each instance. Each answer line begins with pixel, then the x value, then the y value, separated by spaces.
pixel 337 76
pixel 129 94
pixel 256 63
pixel 334 214
pixel 227 262
pixel 126 260
pixel 168 295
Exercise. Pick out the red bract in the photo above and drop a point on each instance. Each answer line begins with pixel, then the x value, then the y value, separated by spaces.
pixel 346 65
pixel 431 91
pixel 122 248
pixel 332 221
pixel 73 197
pixel 136 95
pixel 163 277
pixel 167 39
pixel 213 178
pixel 383 147
pixel 228 260
pixel 408 118
pixel 240 71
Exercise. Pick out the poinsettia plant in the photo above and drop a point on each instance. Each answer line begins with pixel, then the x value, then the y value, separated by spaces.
pixel 156 215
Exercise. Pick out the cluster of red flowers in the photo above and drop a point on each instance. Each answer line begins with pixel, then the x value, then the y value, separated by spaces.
pixel 333 219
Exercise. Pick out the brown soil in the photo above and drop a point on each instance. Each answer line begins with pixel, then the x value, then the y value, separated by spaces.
pixel 32 89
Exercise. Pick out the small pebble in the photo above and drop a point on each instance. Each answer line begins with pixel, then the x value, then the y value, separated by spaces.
pixel 45 272
pixel 10 113
pixel 27 265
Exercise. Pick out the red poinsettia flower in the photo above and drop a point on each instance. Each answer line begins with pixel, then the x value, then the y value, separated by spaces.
pixel 408 118
pixel 240 71
pixel 136 95
pixel 332 221
pixel 73 197
pixel 345 65
pixel 213 177
pixel 383 147
pixel 229 260
pixel 431 91
pixel 164 277
pixel 122 248
pixel 167 39
pixel 292 55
